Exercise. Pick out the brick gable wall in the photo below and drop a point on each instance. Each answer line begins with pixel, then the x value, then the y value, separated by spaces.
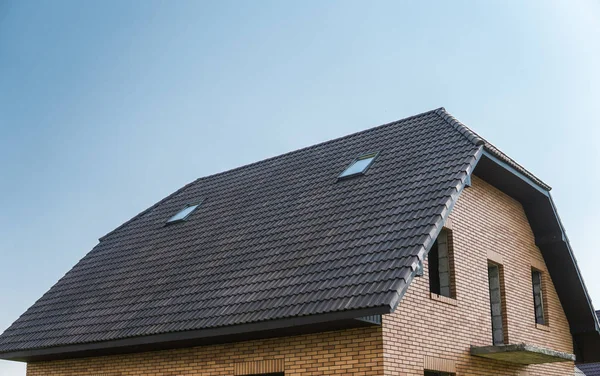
pixel 422 333
pixel 485 223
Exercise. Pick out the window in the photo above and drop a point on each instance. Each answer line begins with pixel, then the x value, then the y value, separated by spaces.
pixel 359 165
pixel 496 303
pixel 434 373
pixel 183 214
pixel 440 266
pixel 538 297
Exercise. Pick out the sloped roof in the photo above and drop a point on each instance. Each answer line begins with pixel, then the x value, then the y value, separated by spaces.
pixel 280 239
pixel 274 239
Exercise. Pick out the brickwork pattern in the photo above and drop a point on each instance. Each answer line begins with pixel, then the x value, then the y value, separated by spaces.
pixel 483 218
pixel 357 352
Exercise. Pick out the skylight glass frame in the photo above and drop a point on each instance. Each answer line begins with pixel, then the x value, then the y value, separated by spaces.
pixel 184 213
pixel 372 156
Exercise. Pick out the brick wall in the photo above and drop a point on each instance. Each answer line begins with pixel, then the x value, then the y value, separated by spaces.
pixel 424 332
pixel 348 352
pixel 485 224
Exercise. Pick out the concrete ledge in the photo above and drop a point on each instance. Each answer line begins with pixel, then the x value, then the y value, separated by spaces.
pixel 443 299
pixel 521 354
pixel 543 327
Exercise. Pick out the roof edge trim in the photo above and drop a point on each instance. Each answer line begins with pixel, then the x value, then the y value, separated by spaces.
pixel 439 225
pixel 565 239
pixel 121 345
pixel 572 256
pixel 460 127
pixel 478 140
pixel 540 188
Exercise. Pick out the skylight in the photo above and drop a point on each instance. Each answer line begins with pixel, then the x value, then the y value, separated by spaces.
pixel 183 214
pixel 359 165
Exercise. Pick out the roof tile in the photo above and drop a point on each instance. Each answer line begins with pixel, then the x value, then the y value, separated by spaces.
pixel 274 239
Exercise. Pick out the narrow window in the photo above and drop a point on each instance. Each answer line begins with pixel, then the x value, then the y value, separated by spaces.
pixel 359 166
pixel 183 214
pixel 440 271
pixel 538 298
pixel 497 311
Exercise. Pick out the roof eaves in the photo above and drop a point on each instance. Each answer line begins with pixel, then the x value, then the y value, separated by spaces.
pixel 494 150
pixel 563 237
pixel 186 338
pixel 574 260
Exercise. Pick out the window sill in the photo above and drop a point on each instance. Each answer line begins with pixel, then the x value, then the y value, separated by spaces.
pixel 443 299
pixel 543 327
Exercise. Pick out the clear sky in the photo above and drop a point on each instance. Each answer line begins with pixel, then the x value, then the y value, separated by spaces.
pixel 108 106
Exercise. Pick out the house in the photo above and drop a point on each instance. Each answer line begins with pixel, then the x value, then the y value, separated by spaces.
pixel 413 248
pixel 590 369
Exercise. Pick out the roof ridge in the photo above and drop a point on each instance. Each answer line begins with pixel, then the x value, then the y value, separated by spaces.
pixel 262 161
pixel 463 129
pixel 319 144
pixel 478 140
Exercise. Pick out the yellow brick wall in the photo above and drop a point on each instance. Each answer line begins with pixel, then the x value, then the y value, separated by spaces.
pixel 484 219
pixel 348 352
pixel 422 331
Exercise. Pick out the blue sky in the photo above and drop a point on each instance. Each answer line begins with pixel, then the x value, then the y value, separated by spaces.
pixel 108 106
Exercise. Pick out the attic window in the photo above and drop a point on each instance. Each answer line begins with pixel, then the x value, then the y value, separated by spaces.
pixel 358 166
pixel 441 273
pixel 497 303
pixel 538 296
pixel 183 214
